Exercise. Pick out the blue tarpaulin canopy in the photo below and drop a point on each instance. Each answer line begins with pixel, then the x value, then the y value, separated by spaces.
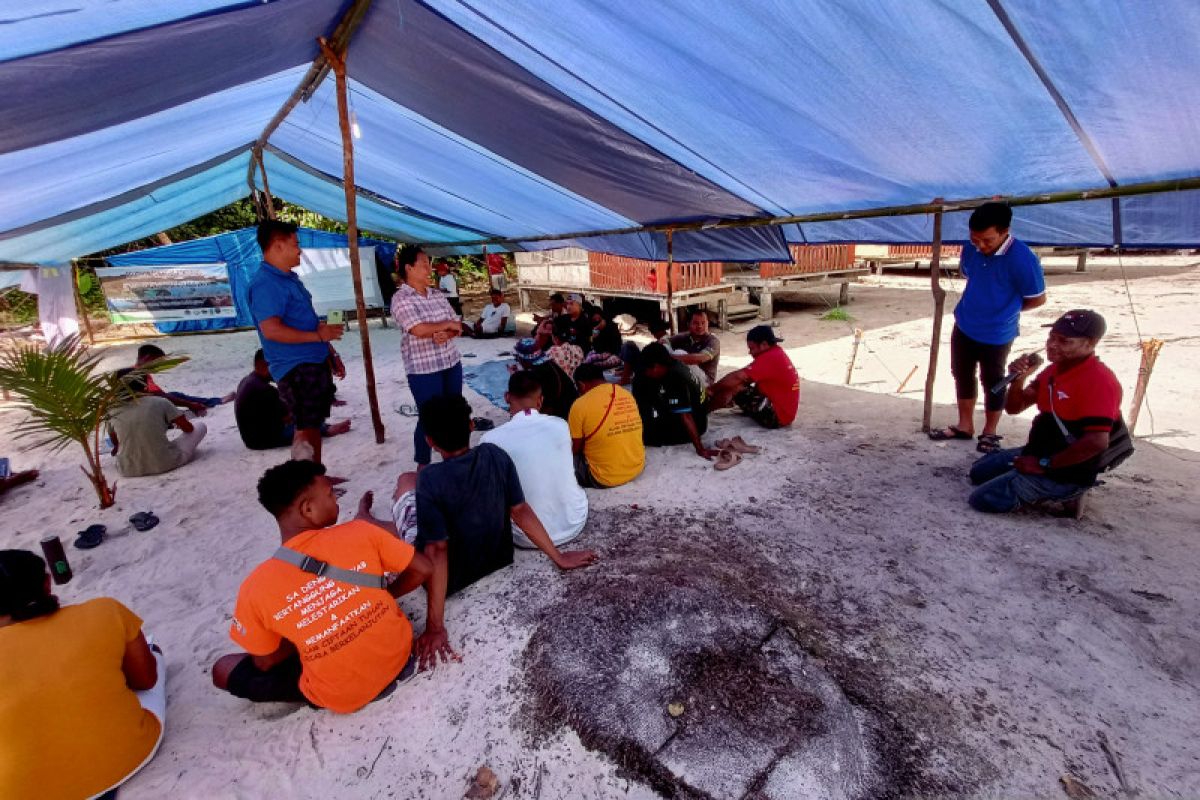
pixel 541 117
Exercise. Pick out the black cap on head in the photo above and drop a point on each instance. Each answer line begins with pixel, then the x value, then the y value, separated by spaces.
pixel 1080 323
pixel 762 334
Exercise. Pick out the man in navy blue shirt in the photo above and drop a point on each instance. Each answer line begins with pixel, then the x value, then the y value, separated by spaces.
pixel 295 341
pixel 1004 278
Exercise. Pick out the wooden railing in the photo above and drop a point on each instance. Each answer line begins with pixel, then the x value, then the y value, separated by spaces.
pixel 634 274
pixel 811 258
pixel 922 251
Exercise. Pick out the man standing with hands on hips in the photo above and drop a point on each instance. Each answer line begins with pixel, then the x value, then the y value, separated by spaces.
pixel 294 340
pixel 1004 278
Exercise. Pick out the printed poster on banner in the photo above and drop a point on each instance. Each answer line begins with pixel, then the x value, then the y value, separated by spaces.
pixel 175 293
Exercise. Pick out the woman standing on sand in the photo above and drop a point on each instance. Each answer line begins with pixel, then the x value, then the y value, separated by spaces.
pixel 430 356
pixel 84 698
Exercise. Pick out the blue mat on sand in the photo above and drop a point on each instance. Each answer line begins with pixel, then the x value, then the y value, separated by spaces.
pixel 490 379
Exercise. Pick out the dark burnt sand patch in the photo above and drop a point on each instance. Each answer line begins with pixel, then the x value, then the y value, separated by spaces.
pixel 709 659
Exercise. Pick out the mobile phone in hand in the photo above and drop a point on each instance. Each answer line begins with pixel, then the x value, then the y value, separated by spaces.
pixel 335 317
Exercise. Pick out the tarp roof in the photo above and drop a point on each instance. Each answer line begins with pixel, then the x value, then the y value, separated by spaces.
pixel 536 117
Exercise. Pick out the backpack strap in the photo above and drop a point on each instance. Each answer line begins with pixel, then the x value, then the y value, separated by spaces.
pixel 323 569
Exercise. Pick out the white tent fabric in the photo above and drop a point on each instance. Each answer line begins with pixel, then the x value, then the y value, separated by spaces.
pixel 539 117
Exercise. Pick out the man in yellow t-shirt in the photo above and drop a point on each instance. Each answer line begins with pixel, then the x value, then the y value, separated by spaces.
pixel 606 432
pixel 314 636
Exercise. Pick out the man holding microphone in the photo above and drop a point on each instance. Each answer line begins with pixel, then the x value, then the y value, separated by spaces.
pixel 294 340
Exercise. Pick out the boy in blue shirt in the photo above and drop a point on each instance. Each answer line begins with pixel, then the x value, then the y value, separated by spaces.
pixel 1004 278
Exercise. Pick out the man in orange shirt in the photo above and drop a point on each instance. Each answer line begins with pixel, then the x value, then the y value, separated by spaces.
pixel 318 620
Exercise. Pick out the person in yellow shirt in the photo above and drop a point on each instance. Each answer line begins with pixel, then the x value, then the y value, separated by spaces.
pixel 606 432
pixel 84 699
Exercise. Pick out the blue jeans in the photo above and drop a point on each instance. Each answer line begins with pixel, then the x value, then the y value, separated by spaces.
pixel 424 388
pixel 210 402
pixel 1002 489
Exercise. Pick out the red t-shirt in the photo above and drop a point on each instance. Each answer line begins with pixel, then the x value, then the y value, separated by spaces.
pixel 1087 398
pixel 495 264
pixel 776 378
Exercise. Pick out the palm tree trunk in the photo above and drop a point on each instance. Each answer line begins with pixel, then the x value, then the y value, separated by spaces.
pixel 106 494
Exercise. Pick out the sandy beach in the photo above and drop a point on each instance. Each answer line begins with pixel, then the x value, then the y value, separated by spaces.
pixel 829 617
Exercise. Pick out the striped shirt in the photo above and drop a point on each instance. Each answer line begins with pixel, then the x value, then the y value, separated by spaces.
pixel 410 308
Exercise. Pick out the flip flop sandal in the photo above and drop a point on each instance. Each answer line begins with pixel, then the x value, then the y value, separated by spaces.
pixel 91 537
pixel 940 434
pixel 740 445
pixel 988 442
pixel 143 520
pixel 406 410
pixel 483 424
pixel 727 459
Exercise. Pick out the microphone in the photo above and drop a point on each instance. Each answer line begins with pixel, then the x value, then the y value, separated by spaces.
pixel 1034 359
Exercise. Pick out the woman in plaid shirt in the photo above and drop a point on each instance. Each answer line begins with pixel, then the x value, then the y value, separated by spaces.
pixel 431 358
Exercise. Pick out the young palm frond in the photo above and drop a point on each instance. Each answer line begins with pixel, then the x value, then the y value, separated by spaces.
pixel 69 398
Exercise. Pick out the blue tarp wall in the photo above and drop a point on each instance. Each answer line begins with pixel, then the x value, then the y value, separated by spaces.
pixel 242 256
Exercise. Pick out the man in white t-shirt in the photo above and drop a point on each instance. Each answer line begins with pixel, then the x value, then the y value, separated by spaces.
pixel 493 320
pixel 448 285
pixel 540 447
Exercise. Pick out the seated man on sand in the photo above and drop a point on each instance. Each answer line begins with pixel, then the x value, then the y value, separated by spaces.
pixel 493 320
pixel 263 419
pixel 1077 433
pixel 558 307
pixel 139 428
pixel 697 346
pixel 768 389
pixel 465 508
pixel 319 620
pixel 606 432
pixel 558 390
pixel 671 400
pixel 197 405
pixel 540 448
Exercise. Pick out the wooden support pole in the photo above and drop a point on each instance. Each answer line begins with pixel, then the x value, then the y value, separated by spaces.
pixel 907 378
pixel 80 306
pixel 337 61
pixel 268 201
pixel 671 285
pixel 1149 356
pixel 939 307
pixel 858 335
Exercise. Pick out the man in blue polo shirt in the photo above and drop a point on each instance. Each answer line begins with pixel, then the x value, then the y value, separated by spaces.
pixel 294 340
pixel 1004 278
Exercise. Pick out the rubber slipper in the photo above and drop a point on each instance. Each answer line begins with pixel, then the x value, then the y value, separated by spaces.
pixel 407 410
pixel 988 442
pixel 143 520
pixel 940 435
pixel 483 424
pixel 91 537
pixel 738 444
pixel 728 458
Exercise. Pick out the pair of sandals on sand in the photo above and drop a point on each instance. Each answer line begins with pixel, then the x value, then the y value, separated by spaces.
pixel 732 451
pixel 988 442
pixel 93 535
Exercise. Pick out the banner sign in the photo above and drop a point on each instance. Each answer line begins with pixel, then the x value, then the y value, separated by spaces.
pixel 325 272
pixel 169 293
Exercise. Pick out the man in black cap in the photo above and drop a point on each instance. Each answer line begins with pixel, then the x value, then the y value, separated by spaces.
pixel 768 388
pixel 1077 434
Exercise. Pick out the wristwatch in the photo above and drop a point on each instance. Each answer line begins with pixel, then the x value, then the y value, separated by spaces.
pixel 1044 463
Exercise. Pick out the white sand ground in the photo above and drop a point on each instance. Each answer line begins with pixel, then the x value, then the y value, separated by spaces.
pixel 1021 638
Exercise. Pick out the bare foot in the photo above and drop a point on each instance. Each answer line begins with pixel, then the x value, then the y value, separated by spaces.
pixel 338 428
pixel 16 479
pixel 229 398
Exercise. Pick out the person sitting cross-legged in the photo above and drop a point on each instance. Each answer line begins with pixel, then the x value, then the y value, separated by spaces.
pixel 606 432
pixel 671 399
pixel 768 389
pixel 138 430
pixel 319 620
pixel 466 507
pixel 493 320
pixel 540 448
pixel 263 419
pixel 1078 432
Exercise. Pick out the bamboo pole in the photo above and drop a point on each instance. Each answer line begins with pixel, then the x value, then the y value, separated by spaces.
pixel 939 306
pixel 907 378
pixel 1149 356
pixel 80 306
pixel 671 284
pixel 337 61
pixel 1044 198
pixel 262 168
pixel 858 335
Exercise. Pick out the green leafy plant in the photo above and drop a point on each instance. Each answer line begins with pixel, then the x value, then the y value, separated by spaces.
pixel 69 398
pixel 837 314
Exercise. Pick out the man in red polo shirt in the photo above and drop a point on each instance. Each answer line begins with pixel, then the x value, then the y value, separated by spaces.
pixel 768 388
pixel 1077 434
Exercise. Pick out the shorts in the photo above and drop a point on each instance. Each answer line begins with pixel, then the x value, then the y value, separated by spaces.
pixel 308 391
pixel 965 354
pixel 757 406
pixel 281 683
